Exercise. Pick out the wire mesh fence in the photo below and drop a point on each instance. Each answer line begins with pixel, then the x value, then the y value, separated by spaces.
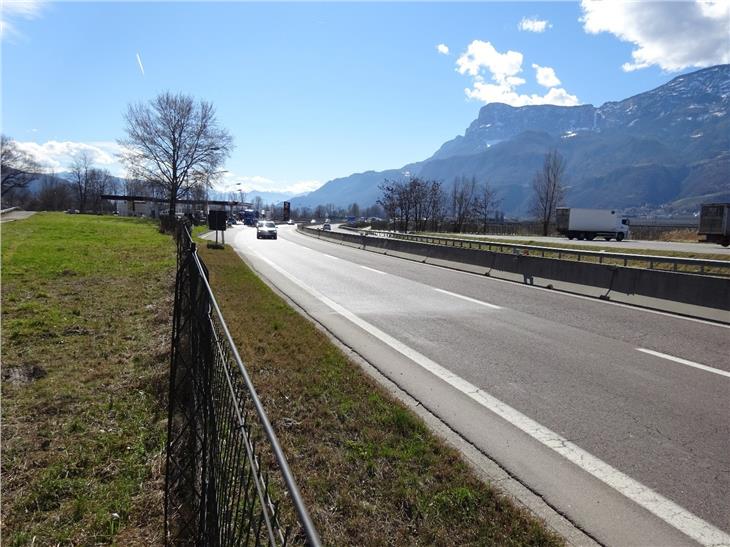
pixel 227 480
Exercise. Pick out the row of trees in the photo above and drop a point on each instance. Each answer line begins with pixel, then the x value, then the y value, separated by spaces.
pixel 419 204
pixel 83 191
pixel 174 147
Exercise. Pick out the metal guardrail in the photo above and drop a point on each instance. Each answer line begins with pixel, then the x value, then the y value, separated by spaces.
pixel 667 263
pixel 227 481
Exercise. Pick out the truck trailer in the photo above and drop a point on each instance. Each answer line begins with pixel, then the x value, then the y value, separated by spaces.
pixel 715 223
pixel 588 224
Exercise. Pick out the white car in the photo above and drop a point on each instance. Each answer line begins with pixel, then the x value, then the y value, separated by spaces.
pixel 266 229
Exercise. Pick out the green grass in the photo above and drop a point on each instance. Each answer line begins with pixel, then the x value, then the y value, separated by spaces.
pixel 85 350
pixel 369 469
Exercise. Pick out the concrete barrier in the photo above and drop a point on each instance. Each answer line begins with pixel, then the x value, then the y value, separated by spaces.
pixel 692 289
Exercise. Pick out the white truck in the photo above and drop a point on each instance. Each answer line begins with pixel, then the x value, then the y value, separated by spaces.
pixel 591 223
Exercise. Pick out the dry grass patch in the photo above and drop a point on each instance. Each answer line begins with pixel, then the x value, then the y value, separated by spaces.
pixel 370 471
pixel 85 355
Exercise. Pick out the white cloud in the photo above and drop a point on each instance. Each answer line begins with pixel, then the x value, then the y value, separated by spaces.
pixel 533 24
pixel 482 59
pixel 59 155
pixel 232 183
pixel 443 48
pixel 545 76
pixel 139 62
pixel 490 93
pixel 17 9
pixel 481 55
pixel 671 35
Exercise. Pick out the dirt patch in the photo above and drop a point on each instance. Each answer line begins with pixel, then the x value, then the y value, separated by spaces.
pixel 23 374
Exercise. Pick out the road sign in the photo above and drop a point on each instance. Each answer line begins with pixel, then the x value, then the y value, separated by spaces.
pixel 217 220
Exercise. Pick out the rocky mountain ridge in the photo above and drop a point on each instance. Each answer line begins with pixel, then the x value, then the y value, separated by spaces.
pixel 665 148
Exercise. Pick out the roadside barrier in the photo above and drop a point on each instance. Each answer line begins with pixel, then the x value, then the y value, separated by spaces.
pixel 689 288
pixel 227 481
pixel 652 262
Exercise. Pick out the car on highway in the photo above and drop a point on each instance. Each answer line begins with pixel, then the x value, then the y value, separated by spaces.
pixel 327 227
pixel 266 229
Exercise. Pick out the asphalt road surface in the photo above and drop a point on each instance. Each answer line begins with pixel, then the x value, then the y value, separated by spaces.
pixel 618 417
pixel 613 245
pixel 616 246
pixel 16 215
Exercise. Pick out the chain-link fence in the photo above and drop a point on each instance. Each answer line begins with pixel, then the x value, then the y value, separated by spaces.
pixel 227 480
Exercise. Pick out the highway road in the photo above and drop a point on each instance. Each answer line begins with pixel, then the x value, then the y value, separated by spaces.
pixel 613 246
pixel 618 417
pixel 616 246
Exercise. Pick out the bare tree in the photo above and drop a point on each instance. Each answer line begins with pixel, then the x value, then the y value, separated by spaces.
pixel 258 203
pixel 18 168
pixel 80 169
pixel 55 194
pixel 388 199
pixel 548 190
pixel 485 203
pixel 174 143
pixel 436 205
pixel 89 182
pixel 413 203
pixel 100 182
pixel 462 201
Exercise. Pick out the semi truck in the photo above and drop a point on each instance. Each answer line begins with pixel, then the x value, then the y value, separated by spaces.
pixel 715 223
pixel 588 224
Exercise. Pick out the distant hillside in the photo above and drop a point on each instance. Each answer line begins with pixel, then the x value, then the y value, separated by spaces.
pixel 667 147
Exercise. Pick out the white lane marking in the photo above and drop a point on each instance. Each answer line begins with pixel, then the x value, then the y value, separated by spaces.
pixel 685 362
pixel 676 516
pixel 330 256
pixel 371 269
pixel 468 299
pixel 551 291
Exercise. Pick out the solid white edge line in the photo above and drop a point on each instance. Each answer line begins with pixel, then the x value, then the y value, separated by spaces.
pixel 676 516
pixel 469 299
pixel 330 256
pixel 562 293
pixel 685 362
pixel 368 268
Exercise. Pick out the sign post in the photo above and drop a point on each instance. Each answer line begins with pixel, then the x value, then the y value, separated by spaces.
pixel 217 222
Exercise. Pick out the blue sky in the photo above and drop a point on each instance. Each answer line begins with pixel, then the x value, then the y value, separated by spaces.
pixel 314 91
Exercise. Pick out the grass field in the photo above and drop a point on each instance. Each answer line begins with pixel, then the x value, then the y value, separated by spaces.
pixel 369 469
pixel 85 351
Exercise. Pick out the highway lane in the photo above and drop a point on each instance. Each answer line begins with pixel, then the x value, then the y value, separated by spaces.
pixel 613 245
pixel 571 364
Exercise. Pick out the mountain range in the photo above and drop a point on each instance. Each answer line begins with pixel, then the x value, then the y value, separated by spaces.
pixel 667 150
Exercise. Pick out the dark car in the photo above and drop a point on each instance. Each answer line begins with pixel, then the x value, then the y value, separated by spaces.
pixel 327 226
pixel 266 229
